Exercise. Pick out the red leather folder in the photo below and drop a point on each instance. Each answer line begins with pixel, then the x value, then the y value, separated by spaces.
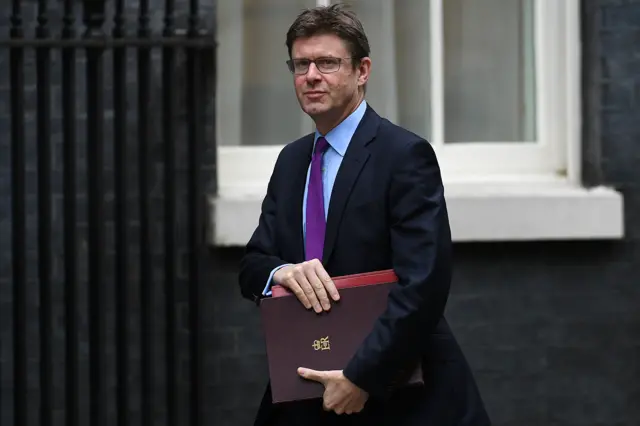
pixel 297 337
pixel 347 281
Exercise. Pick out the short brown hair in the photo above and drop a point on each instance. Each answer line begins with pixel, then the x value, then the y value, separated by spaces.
pixel 335 19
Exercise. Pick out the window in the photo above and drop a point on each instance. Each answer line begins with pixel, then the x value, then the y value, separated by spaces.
pixel 494 85
pixel 487 83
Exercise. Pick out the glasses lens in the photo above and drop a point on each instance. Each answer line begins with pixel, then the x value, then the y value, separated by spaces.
pixel 328 64
pixel 300 66
pixel 324 65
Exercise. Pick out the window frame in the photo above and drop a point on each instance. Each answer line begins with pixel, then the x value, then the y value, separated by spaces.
pixel 544 158
pixel 504 192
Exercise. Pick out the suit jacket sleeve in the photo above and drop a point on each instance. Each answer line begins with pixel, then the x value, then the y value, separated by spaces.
pixel 261 253
pixel 421 257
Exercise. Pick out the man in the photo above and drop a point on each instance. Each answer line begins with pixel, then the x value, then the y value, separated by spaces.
pixel 360 195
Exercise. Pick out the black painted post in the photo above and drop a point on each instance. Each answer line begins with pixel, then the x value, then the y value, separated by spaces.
pixel 18 213
pixel 43 84
pixel 70 230
pixel 195 144
pixel 169 136
pixel 121 175
pixel 93 20
pixel 147 293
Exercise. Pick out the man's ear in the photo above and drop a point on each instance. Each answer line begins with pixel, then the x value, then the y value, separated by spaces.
pixel 364 69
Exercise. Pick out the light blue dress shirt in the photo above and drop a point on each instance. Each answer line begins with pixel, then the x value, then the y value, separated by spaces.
pixel 338 139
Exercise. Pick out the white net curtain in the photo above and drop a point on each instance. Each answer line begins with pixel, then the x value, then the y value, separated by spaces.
pixel 486 61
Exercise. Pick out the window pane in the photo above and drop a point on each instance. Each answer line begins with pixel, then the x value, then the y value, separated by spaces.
pixel 488 65
pixel 489 70
pixel 398 33
pixel 256 99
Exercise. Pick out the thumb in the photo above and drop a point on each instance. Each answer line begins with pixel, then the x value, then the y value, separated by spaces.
pixel 309 374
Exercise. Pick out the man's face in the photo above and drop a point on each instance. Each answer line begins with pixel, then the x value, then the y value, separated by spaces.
pixel 325 92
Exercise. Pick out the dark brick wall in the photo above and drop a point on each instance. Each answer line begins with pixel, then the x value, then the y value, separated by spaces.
pixel 552 330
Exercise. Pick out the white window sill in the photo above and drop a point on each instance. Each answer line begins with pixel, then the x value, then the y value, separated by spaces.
pixel 478 211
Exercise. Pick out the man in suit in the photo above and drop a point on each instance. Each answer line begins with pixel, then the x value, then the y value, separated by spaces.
pixel 360 194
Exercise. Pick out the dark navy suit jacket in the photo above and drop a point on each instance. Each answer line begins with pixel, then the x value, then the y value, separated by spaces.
pixel 387 210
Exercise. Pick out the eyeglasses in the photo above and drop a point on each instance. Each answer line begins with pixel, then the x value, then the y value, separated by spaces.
pixel 325 65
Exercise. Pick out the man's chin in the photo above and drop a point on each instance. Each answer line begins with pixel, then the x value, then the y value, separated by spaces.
pixel 315 109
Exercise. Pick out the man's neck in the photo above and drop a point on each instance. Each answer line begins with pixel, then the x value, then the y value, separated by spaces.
pixel 329 122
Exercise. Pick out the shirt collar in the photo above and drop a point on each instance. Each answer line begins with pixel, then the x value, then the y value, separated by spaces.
pixel 340 136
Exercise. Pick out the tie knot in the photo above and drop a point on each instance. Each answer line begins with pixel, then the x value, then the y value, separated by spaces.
pixel 321 145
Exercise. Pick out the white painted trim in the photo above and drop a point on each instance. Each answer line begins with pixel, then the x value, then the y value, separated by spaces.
pixel 245 171
pixel 436 61
pixel 549 81
pixel 478 211
pixel 573 81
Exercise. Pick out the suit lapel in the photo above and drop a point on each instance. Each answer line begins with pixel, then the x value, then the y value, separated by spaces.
pixel 354 160
pixel 299 177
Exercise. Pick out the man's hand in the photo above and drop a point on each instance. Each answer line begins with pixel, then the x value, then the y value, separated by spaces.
pixel 310 283
pixel 340 394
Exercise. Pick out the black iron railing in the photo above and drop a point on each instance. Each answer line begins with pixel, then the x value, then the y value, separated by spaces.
pixel 121 210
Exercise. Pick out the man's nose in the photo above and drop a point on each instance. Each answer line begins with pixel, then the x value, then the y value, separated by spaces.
pixel 312 73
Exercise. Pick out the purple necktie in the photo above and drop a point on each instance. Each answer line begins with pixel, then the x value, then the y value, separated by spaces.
pixel 315 220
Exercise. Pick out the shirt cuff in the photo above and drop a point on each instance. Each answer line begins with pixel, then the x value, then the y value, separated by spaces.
pixel 267 288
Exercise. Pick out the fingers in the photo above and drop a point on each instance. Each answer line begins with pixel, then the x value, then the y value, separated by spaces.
pixel 353 407
pixel 319 282
pixel 285 277
pixel 336 397
pixel 328 400
pixel 326 406
pixel 300 274
pixel 311 284
pixel 291 283
pixel 346 405
pixel 327 282
pixel 341 407
pixel 316 376
pixel 301 295
pixel 318 288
